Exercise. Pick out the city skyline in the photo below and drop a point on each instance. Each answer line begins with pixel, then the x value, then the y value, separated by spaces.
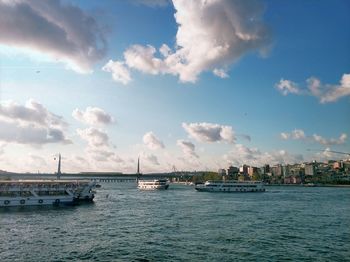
pixel 198 85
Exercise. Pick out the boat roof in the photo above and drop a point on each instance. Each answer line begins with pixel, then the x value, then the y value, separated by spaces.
pixel 233 181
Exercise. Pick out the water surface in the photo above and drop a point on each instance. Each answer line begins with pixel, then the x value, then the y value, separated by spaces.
pixel 180 224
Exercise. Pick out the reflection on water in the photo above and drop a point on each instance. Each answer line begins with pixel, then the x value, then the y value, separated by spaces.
pixel 183 225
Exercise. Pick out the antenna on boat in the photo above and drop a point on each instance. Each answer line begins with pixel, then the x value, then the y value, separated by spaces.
pixel 59 167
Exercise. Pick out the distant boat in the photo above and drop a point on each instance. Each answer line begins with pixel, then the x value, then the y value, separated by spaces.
pixel 45 192
pixel 231 186
pixel 155 184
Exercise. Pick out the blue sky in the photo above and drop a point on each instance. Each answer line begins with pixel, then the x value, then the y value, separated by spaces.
pixel 198 85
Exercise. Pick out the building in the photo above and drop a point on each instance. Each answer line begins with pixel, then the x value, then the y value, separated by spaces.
pixel 277 170
pixel 310 169
pixel 222 172
pixel 232 172
pixel 243 170
pixel 251 170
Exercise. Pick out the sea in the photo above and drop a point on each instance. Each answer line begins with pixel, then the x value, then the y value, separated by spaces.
pixel 285 223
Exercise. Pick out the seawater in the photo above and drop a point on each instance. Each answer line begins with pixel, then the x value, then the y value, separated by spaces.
pixel 180 224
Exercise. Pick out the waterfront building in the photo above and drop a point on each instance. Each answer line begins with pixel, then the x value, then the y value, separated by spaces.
pixel 232 172
pixel 222 172
pixel 310 169
pixel 243 170
pixel 252 170
pixel 277 170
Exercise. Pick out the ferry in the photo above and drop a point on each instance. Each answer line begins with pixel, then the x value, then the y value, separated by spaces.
pixel 155 184
pixel 45 192
pixel 231 186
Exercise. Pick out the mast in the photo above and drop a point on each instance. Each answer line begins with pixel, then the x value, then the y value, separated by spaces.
pixel 138 170
pixel 59 167
pixel 138 165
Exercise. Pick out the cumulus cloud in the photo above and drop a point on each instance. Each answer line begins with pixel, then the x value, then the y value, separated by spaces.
pixel 120 73
pixel 150 159
pixel 211 36
pixel 287 87
pixel 31 123
pixel 299 134
pixel 188 148
pixel 103 154
pixel 152 142
pixel 296 134
pixel 332 141
pixel 94 136
pixel 92 116
pixel 60 30
pixel 241 154
pixel 326 93
pixel 208 132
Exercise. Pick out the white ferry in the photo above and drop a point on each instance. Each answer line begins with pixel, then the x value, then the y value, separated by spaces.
pixel 231 186
pixel 45 192
pixel 153 184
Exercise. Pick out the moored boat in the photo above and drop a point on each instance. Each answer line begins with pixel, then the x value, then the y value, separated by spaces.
pixel 45 192
pixel 231 186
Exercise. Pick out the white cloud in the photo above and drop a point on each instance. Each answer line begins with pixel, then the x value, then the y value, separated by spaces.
pixel 326 93
pixel 211 35
pixel 220 73
pixel 92 116
pixel 299 134
pixel 285 136
pixel 188 148
pixel 63 31
pixel 296 134
pixel 120 73
pixel 152 142
pixel 241 154
pixel 149 159
pixel 208 132
pixel 103 154
pixel 332 141
pixel 94 136
pixel 31 124
pixel 287 87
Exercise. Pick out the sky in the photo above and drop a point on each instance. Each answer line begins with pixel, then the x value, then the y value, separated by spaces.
pixel 184 85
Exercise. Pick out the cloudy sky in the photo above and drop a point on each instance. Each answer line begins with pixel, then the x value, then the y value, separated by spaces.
pixel 195 85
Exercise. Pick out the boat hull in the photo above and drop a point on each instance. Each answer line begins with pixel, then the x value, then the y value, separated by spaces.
pixel 229 190
pixel 231 187
pixel 11 202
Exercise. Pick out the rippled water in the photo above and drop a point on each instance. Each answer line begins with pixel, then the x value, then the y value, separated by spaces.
pixel 180 224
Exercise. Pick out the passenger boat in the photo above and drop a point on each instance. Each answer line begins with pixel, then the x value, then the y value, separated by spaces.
pixel 231 186
pixel 153 184
pixel 45 192
pixel 145 184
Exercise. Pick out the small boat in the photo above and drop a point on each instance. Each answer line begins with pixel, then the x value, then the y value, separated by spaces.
pixel 231 186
